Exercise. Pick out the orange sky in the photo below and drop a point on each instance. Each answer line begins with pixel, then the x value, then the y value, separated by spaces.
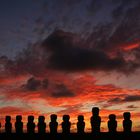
pixel 87 93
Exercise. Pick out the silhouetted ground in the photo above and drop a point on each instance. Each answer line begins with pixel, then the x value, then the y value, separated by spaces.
pixel 73 136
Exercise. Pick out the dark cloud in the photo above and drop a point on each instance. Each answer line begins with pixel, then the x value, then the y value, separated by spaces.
pixel 67 51
pixel 131 107
pixel 30 61
pixel 57 91
pixel 45 83
pixel 131 98
pixel 113 36
pixel 128 98
pixel 6 66
pixel 4 62
pixel 66 54
pixel 115 100
pixel 34 84
pixel 62 91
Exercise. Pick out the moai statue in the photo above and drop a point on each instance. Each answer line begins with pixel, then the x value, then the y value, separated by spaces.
pixel 80 124
pixel 95 120
pixel 66 124
pixel 112 123
pixel 53 124
pixel 19 124
pixel 127 123
pixel 8 124
pixel 30 124
pixel 41 124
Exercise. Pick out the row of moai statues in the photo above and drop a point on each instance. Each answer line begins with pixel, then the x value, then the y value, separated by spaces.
pixel 112 122
pixel 95 121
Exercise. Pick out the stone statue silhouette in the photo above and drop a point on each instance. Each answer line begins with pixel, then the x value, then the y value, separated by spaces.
pixel 112 123
pixel 95 120
pixel 53 124
pixel 41 124
pixel 80 124
pixel 127 123
pixel 19 124
pixel 8 124
pixel 66 124
pixel 30 124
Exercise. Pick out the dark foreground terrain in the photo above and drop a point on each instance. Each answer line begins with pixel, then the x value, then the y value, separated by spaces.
pixel 73 136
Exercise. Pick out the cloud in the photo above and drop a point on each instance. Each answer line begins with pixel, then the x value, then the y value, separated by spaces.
pixel 62 91
pixel 131 107
pixel 131 98
pixel 67 54
pixel 115 100
pixel 65 51
pixel 127 98
pixel 29 61
pixel 121 32
pixel 33 84
pixel 11 110
pixel 107 48
pixel 45 83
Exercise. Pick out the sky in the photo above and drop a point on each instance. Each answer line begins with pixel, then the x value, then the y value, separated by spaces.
pixel 67 56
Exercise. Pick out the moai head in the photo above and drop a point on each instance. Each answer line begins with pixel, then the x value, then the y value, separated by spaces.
pixel 30 118
pixel 95 111
pixel 53 117
pixel 18 118
pixel 66 118
pixel 112 117
pixel 8 118
pixel 127 115
pixel 80 118
pixel 41 119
